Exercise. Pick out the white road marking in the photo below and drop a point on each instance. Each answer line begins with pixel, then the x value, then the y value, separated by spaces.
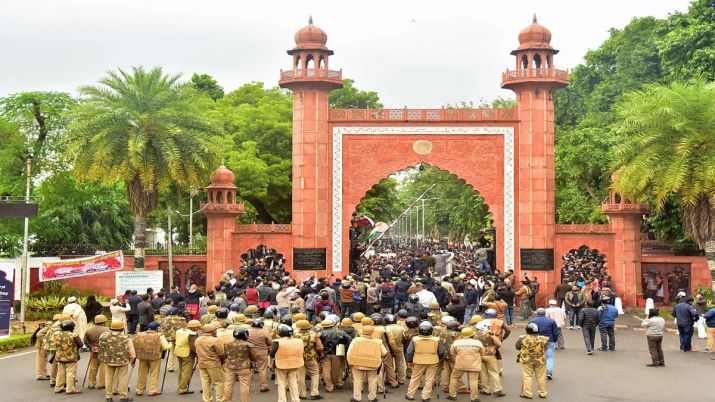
pixel 16 355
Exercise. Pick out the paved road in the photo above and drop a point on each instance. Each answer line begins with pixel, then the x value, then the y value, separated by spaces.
pixel 604 376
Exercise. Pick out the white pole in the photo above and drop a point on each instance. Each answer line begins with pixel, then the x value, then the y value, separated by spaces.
pixel 24 271
pixel 168 246
pixel 423 219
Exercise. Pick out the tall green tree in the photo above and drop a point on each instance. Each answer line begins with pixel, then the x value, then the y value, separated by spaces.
pixel 147 130
pixel 382 201
pixel 667 147
pixel 350 97
pixel 208 85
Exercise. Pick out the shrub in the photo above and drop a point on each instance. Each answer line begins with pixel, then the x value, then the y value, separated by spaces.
pixel 15 342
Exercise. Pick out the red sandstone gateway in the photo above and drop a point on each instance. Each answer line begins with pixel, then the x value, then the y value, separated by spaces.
pixel 505 154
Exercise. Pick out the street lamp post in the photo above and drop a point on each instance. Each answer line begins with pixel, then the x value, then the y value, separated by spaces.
pixel 24 271
pixel 192 193
pixel 168 247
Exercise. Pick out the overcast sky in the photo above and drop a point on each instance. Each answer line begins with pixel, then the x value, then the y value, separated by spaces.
pixel 413 53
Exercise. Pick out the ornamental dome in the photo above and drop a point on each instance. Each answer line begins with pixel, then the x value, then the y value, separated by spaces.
pixel 535 35
pixel 222 177
pixel 310 37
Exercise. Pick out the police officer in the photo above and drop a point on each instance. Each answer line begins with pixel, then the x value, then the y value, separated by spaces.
pixel 149 346
pixel 532 356
pixel 91 340
pixel 238 357
pixel 423 354
pixel 330 362
pixel 312 347
pixel 261 341
pixel 49 344
pixel 365 357
pixel 447 337
pixel 116 351
pixel 221 317
pixel 185 351
pixel 172 323
pixel 357 320
pixel 41 352
pixel 67 345
pixel 411 323
pixel 413 306
pixel 208 317
pixel 395 335
pixel 467 353
pixel 489 374
pixel 208 353
pixel 287 354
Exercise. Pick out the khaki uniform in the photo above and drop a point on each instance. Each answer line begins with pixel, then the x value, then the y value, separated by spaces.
pixel 67 346
pixel 239 355
pixel 447 338
pixel 149 346
pixel 91 340
pixel 288 359
pixel 116 351
pixel 532 356
pixel 185 351
pixel 172 324
pixel 425 361
pixel 208 352
pixel 365 356
pixel 311 348
pixel 409 334
pixel 48 345
pixel 395 335
pixel 489 375
pixel 261 342
pixel 467 354
pixel 41 352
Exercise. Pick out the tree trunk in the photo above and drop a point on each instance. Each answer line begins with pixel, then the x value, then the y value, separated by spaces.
pixel 263 215
pixel 710 258
pixel 139 242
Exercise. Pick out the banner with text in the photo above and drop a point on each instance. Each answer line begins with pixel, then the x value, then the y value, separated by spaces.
pixel 7 275
pixel 139 281
pixel 97 264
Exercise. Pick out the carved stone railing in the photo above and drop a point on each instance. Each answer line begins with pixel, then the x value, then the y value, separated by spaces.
pixel 546 74
pixel 264 228
pixel 584 228
pixel 214 207
pixel 624 207
pixel 443 114
pixel 317 74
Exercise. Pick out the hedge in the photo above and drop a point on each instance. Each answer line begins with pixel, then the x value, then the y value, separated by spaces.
pixel 15 342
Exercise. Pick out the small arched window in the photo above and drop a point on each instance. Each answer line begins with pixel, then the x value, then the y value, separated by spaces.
pixel 309 62
pixel 537 61
pixel 229 197
pixel 297 61
pixel 321 64
pixel 219 197
pixel 524 62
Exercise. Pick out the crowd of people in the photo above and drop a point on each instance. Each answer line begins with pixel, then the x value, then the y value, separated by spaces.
pixel 421 318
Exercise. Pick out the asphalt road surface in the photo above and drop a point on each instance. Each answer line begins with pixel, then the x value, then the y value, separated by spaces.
pixel 604 376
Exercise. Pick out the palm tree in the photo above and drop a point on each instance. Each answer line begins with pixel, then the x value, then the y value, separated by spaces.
pixel 668 147
pixel 146 129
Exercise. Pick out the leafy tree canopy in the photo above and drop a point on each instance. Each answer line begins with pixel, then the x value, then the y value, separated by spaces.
pixel 349 97
pixel 208 85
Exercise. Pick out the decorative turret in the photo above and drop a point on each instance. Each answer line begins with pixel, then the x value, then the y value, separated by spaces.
pixel 222 193
pixel 310 61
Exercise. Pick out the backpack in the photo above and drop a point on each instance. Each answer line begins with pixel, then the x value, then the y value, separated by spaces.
pixel 310 302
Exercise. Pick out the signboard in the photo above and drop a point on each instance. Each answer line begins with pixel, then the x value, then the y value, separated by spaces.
pixel 537 259
pixel 18 210
pixel 75 267
pixel 138 280
pixel 7 275
pixel 309 259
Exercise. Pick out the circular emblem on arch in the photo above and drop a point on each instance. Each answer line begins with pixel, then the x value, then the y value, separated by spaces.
pixel 422 147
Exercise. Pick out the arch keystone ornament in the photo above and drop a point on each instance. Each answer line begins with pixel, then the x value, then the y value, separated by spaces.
pixel 422 147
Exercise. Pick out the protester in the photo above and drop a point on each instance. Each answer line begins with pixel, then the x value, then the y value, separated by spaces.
pixel 655 326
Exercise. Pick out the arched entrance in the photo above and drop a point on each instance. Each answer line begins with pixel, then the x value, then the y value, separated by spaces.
pixel 364 155
pixel 185 274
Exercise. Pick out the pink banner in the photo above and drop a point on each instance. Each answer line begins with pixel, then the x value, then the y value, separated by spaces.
pixel 97 264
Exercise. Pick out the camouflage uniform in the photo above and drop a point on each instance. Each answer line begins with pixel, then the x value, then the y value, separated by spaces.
pixel 116 351
pixel 447 338
pixel 171 324
pixel 489 374
pixel 67 345
pixel 238 356
pixel 41 352
pixel 149 346
pixel 532 357
pixel 311 347
pixel 48 345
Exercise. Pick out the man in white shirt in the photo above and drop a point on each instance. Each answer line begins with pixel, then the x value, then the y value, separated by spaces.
pixel 426 298
pixel 556 313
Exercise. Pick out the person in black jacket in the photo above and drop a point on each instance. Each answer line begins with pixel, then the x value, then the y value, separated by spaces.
pixel 456 309
pixel 331 338
pixel 401 294
pixel 92 308
pixel 589 318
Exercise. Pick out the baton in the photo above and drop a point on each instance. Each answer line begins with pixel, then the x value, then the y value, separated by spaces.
pixel 166 365
pixel 196 361
pixel 129 379
pixel 89 363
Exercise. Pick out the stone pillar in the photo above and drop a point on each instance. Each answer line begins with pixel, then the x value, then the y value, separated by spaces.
pixel 625 266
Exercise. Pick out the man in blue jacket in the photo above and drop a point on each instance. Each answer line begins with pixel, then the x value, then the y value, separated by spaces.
pixel 710 323
pixel 548 328
pixel 607 323
pixel 685 317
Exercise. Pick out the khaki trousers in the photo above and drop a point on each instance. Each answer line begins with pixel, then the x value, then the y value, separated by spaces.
pixel 95 367
pixel 332 365
pixel 40 362
pixel 389 368
pixel 359 377
pixel 261 365
pixel 400 365
pixel 489 375
pixel 186 365
pixel 170 360
pixel 66 372
pixel 120 375
pixel 287 379
pixel 151 367
pixel 418 370
pixel 529 371
pixel 311 368
pixel 53 372
pixel 711 339
pixel 472 378
pixel 447 367
pixel 212 377
pixel 244 376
